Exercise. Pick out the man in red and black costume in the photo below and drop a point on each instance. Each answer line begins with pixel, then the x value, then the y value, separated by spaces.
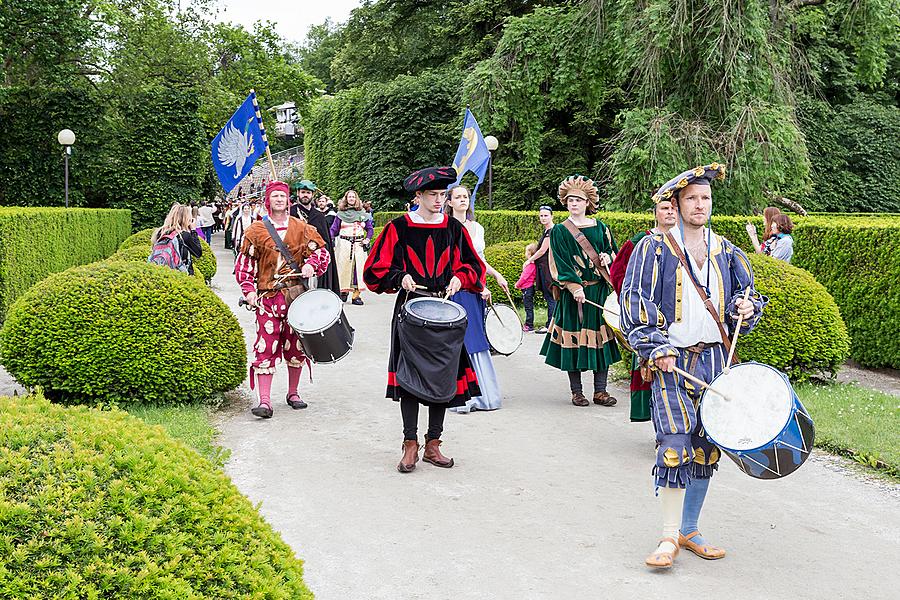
pixel 425 252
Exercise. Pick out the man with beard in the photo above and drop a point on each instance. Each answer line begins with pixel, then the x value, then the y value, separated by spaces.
pixel 304 208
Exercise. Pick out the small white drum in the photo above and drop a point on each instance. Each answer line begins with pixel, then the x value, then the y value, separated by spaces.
pixel 611 316
pixel 503 328
pixel 318 318
pixel 763 427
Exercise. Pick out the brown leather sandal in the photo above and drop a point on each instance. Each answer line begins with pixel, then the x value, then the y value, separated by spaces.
pixel 578 399
pixel 604 399
pixel 663 560
pixel 704 551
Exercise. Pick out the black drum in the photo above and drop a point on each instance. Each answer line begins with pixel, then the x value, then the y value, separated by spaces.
pixel 431 332
pixel 319 320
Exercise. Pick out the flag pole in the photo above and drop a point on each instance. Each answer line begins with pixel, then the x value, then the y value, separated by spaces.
pixel 262 130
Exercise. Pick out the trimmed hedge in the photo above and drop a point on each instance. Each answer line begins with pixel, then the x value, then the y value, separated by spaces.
pixel 507 258
pixel 123 332
pixel 35 242
pixel 206 264
pixel 98 504
pixel 857 259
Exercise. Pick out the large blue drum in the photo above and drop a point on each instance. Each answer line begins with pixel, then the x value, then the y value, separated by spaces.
pixel 762 426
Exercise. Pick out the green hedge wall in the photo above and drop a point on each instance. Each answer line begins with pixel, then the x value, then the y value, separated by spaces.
pixel 98 504
pixel 857 259
pixel 35 242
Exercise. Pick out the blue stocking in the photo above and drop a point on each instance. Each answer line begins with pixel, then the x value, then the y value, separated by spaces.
pixel 693 504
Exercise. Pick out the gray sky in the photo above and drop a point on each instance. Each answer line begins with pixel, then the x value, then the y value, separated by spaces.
pixel 292 17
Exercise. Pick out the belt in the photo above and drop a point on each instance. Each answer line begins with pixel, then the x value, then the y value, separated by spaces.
pixel 700 347
pixel 352 239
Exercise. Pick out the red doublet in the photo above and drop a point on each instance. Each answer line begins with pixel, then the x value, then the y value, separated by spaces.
pixel 432 253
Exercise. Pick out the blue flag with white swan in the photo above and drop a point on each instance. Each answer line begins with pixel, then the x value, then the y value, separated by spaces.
pixel 473 154
pixel 240 143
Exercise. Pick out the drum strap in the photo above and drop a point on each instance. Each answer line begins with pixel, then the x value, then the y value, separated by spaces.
pixel 703 295
pixel 279 243
pixel 589 250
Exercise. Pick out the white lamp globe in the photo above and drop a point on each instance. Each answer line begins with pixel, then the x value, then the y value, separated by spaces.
pixel 66 137
pixel 491 143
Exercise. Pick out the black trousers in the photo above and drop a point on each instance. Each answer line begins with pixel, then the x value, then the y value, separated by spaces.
pixel 409 408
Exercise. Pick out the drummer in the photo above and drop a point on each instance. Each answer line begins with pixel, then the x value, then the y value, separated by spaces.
pixel 664 213
pixel 425 252
pixel 668 323
pixel 263 273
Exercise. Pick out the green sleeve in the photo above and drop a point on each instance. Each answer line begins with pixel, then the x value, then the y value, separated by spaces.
pixel 562 267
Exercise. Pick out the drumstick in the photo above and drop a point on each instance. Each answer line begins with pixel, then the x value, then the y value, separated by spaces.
pixel 700 382
pixel 586 301
pixel 737 331
pixel 509 297
pixel 421 287
pixel 496 314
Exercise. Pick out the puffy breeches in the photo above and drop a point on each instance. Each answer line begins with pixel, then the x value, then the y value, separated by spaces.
pixel 683 450
pixel 274 337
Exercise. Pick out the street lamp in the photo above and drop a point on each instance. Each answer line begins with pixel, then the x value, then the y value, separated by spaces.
pixel 66 138
pixel 492 144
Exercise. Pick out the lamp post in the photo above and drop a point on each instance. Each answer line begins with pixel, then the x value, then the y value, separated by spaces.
pixel 492 144
pixel 66 138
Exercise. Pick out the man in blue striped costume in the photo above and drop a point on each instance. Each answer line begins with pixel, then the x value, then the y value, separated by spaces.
pixel 668 323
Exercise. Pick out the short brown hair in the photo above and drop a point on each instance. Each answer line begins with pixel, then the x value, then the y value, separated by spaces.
pixel 785 225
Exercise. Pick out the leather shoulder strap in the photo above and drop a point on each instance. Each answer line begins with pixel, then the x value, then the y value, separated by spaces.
pixel 703 296
pixel 588 249
pixel 279 243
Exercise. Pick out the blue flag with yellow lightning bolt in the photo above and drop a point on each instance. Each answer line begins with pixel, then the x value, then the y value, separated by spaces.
pixel 473 154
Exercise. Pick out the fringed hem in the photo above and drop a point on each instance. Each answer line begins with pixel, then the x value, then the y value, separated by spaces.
pixel 699 471
pixel 673 477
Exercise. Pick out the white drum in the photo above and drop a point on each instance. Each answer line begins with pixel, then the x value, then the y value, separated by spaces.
pixel 503 328
pixel 611 316
pixel 317 316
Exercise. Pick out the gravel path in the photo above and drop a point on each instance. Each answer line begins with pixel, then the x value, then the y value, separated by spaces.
pixel 546 501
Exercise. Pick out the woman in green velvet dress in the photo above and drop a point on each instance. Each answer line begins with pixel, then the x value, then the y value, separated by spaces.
pixel 579 339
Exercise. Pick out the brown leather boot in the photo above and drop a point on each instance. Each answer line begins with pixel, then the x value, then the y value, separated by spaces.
pixel 410 456
pixel 433 454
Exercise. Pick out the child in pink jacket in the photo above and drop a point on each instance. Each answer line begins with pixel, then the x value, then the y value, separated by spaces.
pixel 526 284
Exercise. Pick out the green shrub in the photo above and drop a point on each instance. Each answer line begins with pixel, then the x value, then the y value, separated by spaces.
pixel 857 259
pixel 139 254
pixel 35 242
pixel 98 504
pixel 801 332
pixel 123 332
pixel 508 258
pixel 206 264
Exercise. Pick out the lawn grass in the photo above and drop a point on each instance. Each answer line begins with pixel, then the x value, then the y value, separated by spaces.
pixel 189 424
pixel 856 422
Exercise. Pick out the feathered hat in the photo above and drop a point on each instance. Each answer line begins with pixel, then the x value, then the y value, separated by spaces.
pixel 581 186
pixel 699 175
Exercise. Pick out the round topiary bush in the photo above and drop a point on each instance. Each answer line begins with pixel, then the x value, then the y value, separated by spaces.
pixel 801 332
pixel 123 332
pixel 141 238
pixel 139 254
pixel 98 504
pixel 507 258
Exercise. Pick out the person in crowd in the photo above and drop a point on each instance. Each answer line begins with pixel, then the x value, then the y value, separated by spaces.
pixel 541 260
pixel 783 247
pixel 206 220
pixel 666 217
pixel 581 250
pixel 352 231
pixel 179 223
pixel 264 274
pixel 526 284
pixel 305 209
pixel 240 223
pixel 426 253
pixel 476 342
pixel 768 217
pixel 367 206
pixel 326 207
pixel 683 292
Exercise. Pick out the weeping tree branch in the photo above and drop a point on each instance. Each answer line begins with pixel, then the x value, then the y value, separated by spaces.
pixel 787 203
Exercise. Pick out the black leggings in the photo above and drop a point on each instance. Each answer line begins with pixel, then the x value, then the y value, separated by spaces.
pixel 409 408
pixel 599 381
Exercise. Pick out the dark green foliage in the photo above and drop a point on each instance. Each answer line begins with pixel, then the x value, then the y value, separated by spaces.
pixel 370 138
pixel 123 332
pixel 855 153
pixel 856 258
pixel 801 332
pixel 159 157
pixel 35 242
pixel 98 504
